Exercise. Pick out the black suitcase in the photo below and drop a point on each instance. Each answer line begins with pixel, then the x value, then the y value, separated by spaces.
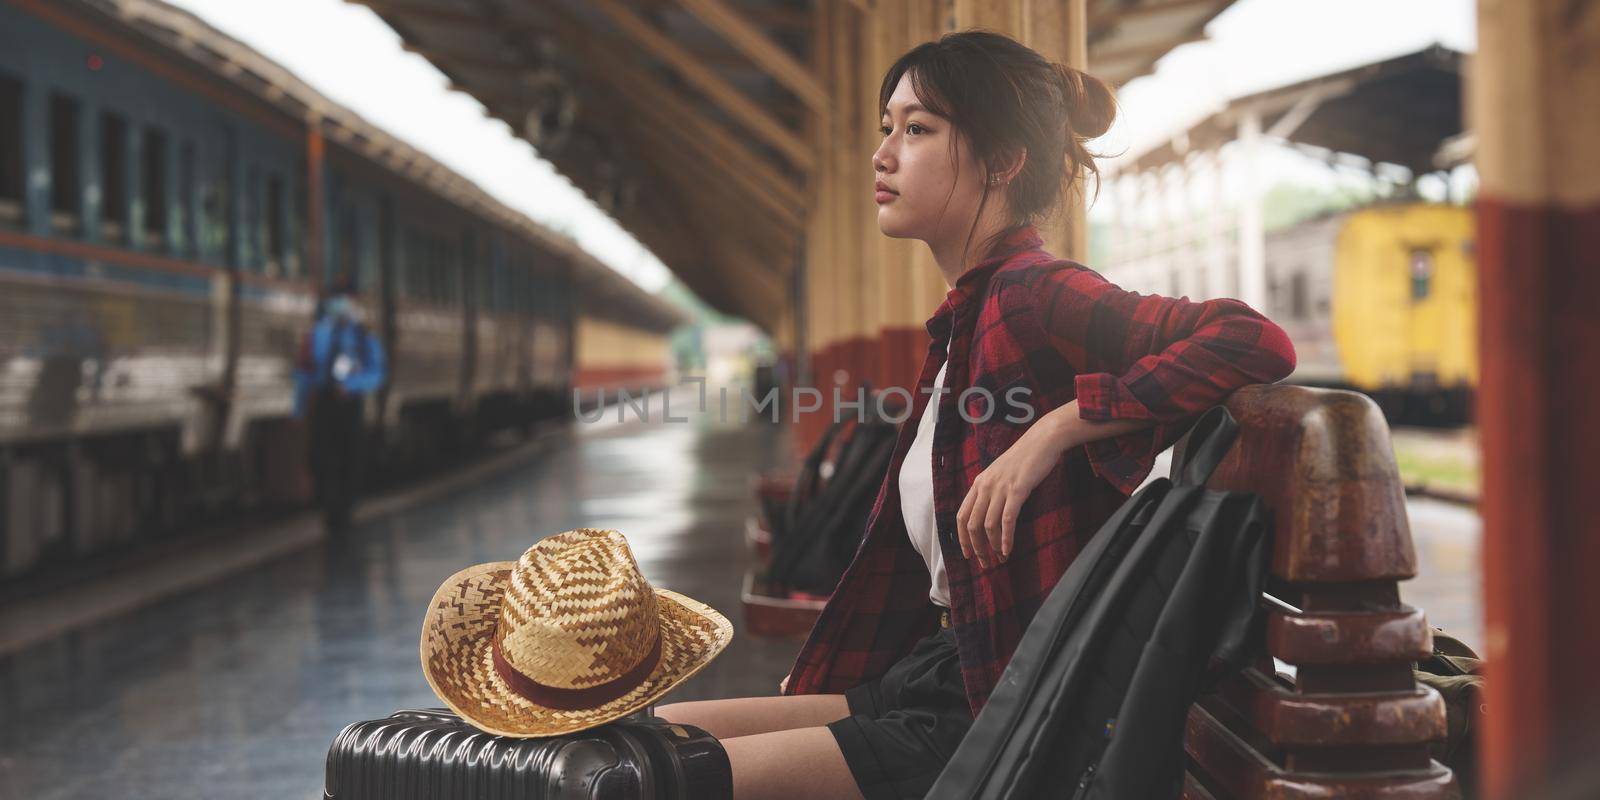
pixel 432 753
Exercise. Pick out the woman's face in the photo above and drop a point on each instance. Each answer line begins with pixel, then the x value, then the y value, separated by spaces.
pixel 932 199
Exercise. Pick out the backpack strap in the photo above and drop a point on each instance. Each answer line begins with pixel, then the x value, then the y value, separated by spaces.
pixel 1209 440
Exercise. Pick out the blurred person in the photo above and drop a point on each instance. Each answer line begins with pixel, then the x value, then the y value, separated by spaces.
pixel 982 137
pixel 340 362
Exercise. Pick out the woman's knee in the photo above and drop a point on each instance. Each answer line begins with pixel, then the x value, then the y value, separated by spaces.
pixel 803 763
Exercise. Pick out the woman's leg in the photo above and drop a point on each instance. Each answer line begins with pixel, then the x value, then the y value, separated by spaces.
pixel 746 716
pixel 803 763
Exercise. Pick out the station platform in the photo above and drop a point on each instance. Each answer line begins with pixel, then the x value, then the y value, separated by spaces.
pixel 234 688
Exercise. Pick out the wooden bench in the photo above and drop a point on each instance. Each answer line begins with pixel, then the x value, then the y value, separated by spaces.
pixel 1347 719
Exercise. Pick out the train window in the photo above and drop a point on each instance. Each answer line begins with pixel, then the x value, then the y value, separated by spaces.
pixel 469 272
pixel 1299 296
pixel 217 198
pixel 252 232
pixel 385 246
pixel 154 175
pixel 426 269
pixel 347 260
pixel 1421 272
pixel 441 270
pixel 438 265
pixel 113 177
pixel 275 259
pixel 186 242
pixel 367 245
pixel 66 191
pixel 421 271
pixel 11 203
pixel 407 279
pixel 301 238
pixel 436 270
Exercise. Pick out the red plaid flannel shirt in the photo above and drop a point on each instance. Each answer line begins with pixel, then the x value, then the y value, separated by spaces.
pixel 1023 318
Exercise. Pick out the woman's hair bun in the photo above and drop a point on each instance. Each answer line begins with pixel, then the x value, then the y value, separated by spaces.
pixel 1090 106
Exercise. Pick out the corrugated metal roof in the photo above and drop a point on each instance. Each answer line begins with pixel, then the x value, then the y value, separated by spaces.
pixel 1404 110
pixel 670 113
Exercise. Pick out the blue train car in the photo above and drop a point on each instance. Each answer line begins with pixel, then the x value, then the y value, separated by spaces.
pixel 171 206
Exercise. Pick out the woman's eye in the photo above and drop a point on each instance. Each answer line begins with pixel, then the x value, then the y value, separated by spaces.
pixel 912 128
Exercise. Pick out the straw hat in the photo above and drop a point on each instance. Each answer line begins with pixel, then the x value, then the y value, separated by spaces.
pixel 567 637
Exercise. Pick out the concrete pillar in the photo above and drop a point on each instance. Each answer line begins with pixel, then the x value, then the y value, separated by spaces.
pixel 1530 100
pixel 1252 236
pixel 1217 259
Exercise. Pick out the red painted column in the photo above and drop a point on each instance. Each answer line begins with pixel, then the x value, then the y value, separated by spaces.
pixel 1534 88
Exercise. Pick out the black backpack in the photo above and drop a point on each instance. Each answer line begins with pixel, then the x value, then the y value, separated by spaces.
pixel 1162 602
pixel 828 529
pixel 808 483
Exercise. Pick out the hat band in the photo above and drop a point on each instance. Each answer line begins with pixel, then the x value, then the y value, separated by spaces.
pixel 575 699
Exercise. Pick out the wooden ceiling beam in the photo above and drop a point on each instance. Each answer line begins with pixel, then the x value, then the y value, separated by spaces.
pixel 718 268
pixel 716 274
pixel 413 11
pixel 475 60
pixel 699 257
pixel 1137 10
pixel 706 141
pixel 745 37
pixel 741 108
pixel 780 17
pixel 663 104
pixel 668 161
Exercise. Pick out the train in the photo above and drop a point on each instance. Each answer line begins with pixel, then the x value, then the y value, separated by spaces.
pixel 172 207
pixel 1382 299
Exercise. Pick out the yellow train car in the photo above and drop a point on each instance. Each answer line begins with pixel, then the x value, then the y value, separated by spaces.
pixel 1383 299
pixel 1405 301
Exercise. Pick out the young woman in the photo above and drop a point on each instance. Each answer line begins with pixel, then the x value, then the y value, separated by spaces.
pixel 985 504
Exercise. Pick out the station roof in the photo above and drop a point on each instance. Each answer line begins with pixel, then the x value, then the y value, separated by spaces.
pixel 156 25
pixel 1404 110
pixel 685 119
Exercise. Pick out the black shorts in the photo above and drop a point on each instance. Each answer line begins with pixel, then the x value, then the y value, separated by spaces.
pixel 905 724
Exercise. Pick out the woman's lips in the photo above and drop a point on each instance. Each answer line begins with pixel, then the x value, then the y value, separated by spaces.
pixel 884 197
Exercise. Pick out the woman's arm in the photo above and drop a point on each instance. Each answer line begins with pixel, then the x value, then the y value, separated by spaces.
pixel 1148 358
pixel 1144 367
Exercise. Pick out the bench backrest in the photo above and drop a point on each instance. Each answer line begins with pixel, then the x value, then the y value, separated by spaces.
pixel 1347 719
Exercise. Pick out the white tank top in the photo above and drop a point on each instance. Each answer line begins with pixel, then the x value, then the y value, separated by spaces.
pixel 916 495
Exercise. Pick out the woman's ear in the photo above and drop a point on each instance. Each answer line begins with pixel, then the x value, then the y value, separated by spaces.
pixel 1007 169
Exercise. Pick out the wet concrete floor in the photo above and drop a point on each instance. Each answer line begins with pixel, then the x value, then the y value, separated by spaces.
pixel 236 689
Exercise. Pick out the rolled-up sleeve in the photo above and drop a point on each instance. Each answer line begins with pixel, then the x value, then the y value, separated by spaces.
pixel 1150 357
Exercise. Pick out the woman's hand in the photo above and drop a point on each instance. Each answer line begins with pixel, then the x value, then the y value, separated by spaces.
pixel 986 525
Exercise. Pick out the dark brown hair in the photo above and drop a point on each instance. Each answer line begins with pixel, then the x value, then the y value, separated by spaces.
pixel 1002 96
